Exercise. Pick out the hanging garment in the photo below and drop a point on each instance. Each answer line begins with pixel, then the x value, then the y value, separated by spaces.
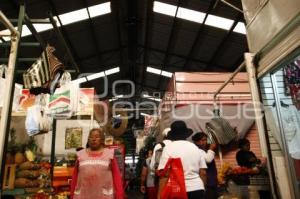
pixel 221 131
pixel 44 74
pixel 290 121
pixel 292 81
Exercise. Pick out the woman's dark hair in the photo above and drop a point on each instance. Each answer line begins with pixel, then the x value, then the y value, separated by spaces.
pixel 198 136
pixel 243 142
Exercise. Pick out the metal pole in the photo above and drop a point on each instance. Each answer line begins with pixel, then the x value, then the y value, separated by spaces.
pixel 34 32
pixel 257 105
pixel 52 157
pixel 7 98
pixel 62 40
pixel 8 25
pixel 241 66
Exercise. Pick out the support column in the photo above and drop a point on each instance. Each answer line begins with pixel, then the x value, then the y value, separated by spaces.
pixel 258 110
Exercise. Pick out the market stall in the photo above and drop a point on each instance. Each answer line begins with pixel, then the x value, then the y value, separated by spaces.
pixel 190 97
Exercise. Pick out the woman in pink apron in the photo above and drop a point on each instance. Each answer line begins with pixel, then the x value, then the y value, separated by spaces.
pixel 96 173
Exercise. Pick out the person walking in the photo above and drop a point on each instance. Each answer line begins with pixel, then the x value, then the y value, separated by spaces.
pixel 193 163
pixel 211 188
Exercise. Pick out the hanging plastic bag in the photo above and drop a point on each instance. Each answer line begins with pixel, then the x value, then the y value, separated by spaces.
pixel 63 103
pixel 3 69
pixel 175 187
pixel 3 86
pixel 32 120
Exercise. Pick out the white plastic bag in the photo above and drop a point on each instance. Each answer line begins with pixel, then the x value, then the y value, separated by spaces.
pixel 37 121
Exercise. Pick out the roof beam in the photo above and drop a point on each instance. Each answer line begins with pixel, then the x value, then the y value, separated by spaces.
pixel 198 37
pixel 64 33
pixel 171 37
pixel 131 22
pixel 94 37
pixel 147 22
pixel 224 40
pixel 115 4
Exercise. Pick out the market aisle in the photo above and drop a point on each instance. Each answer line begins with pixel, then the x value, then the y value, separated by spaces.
pixel 134 195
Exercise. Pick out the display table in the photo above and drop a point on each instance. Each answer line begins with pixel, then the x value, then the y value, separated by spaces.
pixel 62 177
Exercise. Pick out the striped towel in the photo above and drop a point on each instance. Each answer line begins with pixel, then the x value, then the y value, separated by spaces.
pixel 43 70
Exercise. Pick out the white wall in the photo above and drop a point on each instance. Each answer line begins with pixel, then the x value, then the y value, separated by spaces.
pixel 44 141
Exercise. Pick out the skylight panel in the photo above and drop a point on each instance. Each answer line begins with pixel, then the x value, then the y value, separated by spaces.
pixel 164 8
pixel 190 15
pixel 219 22
pixel 5 32
pixel 25 31
pixel 42 27
pixel 240 28
pixel 112 71
pixel 153 70
pixel 74 16
pixel 101 9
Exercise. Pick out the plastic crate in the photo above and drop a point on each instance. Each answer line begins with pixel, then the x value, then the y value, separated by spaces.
pixel 259 180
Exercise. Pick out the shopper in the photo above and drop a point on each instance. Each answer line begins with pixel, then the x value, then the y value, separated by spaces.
pixel 245 157
pixel 147 178
pixel 192 161
pixel 96 173
pixel 158 150
pixel 211 188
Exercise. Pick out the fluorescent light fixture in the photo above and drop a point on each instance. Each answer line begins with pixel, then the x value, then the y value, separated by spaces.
pixel 95 76
pixel 190 15
pixel 116 97
pixel 159 72
pixel 74 16
pixel 100 9
pixel 153 70
pixel 80 80
pixel 164 8
pixel 166 74
pixel 151 98
pixel 240 28
pixel 144 114
pixel 219 22
pixel 112 71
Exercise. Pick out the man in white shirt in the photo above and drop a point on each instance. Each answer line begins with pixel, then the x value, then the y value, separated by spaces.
pixel 192 160
pixel 158 146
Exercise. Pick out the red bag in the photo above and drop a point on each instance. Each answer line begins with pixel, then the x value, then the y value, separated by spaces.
pixel 175 187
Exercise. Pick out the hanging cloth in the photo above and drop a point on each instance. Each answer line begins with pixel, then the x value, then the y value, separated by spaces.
pixel 44 74
pixel 292 81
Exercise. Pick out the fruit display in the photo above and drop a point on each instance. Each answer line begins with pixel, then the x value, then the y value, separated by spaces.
pixel 223 173
pixel 244 171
